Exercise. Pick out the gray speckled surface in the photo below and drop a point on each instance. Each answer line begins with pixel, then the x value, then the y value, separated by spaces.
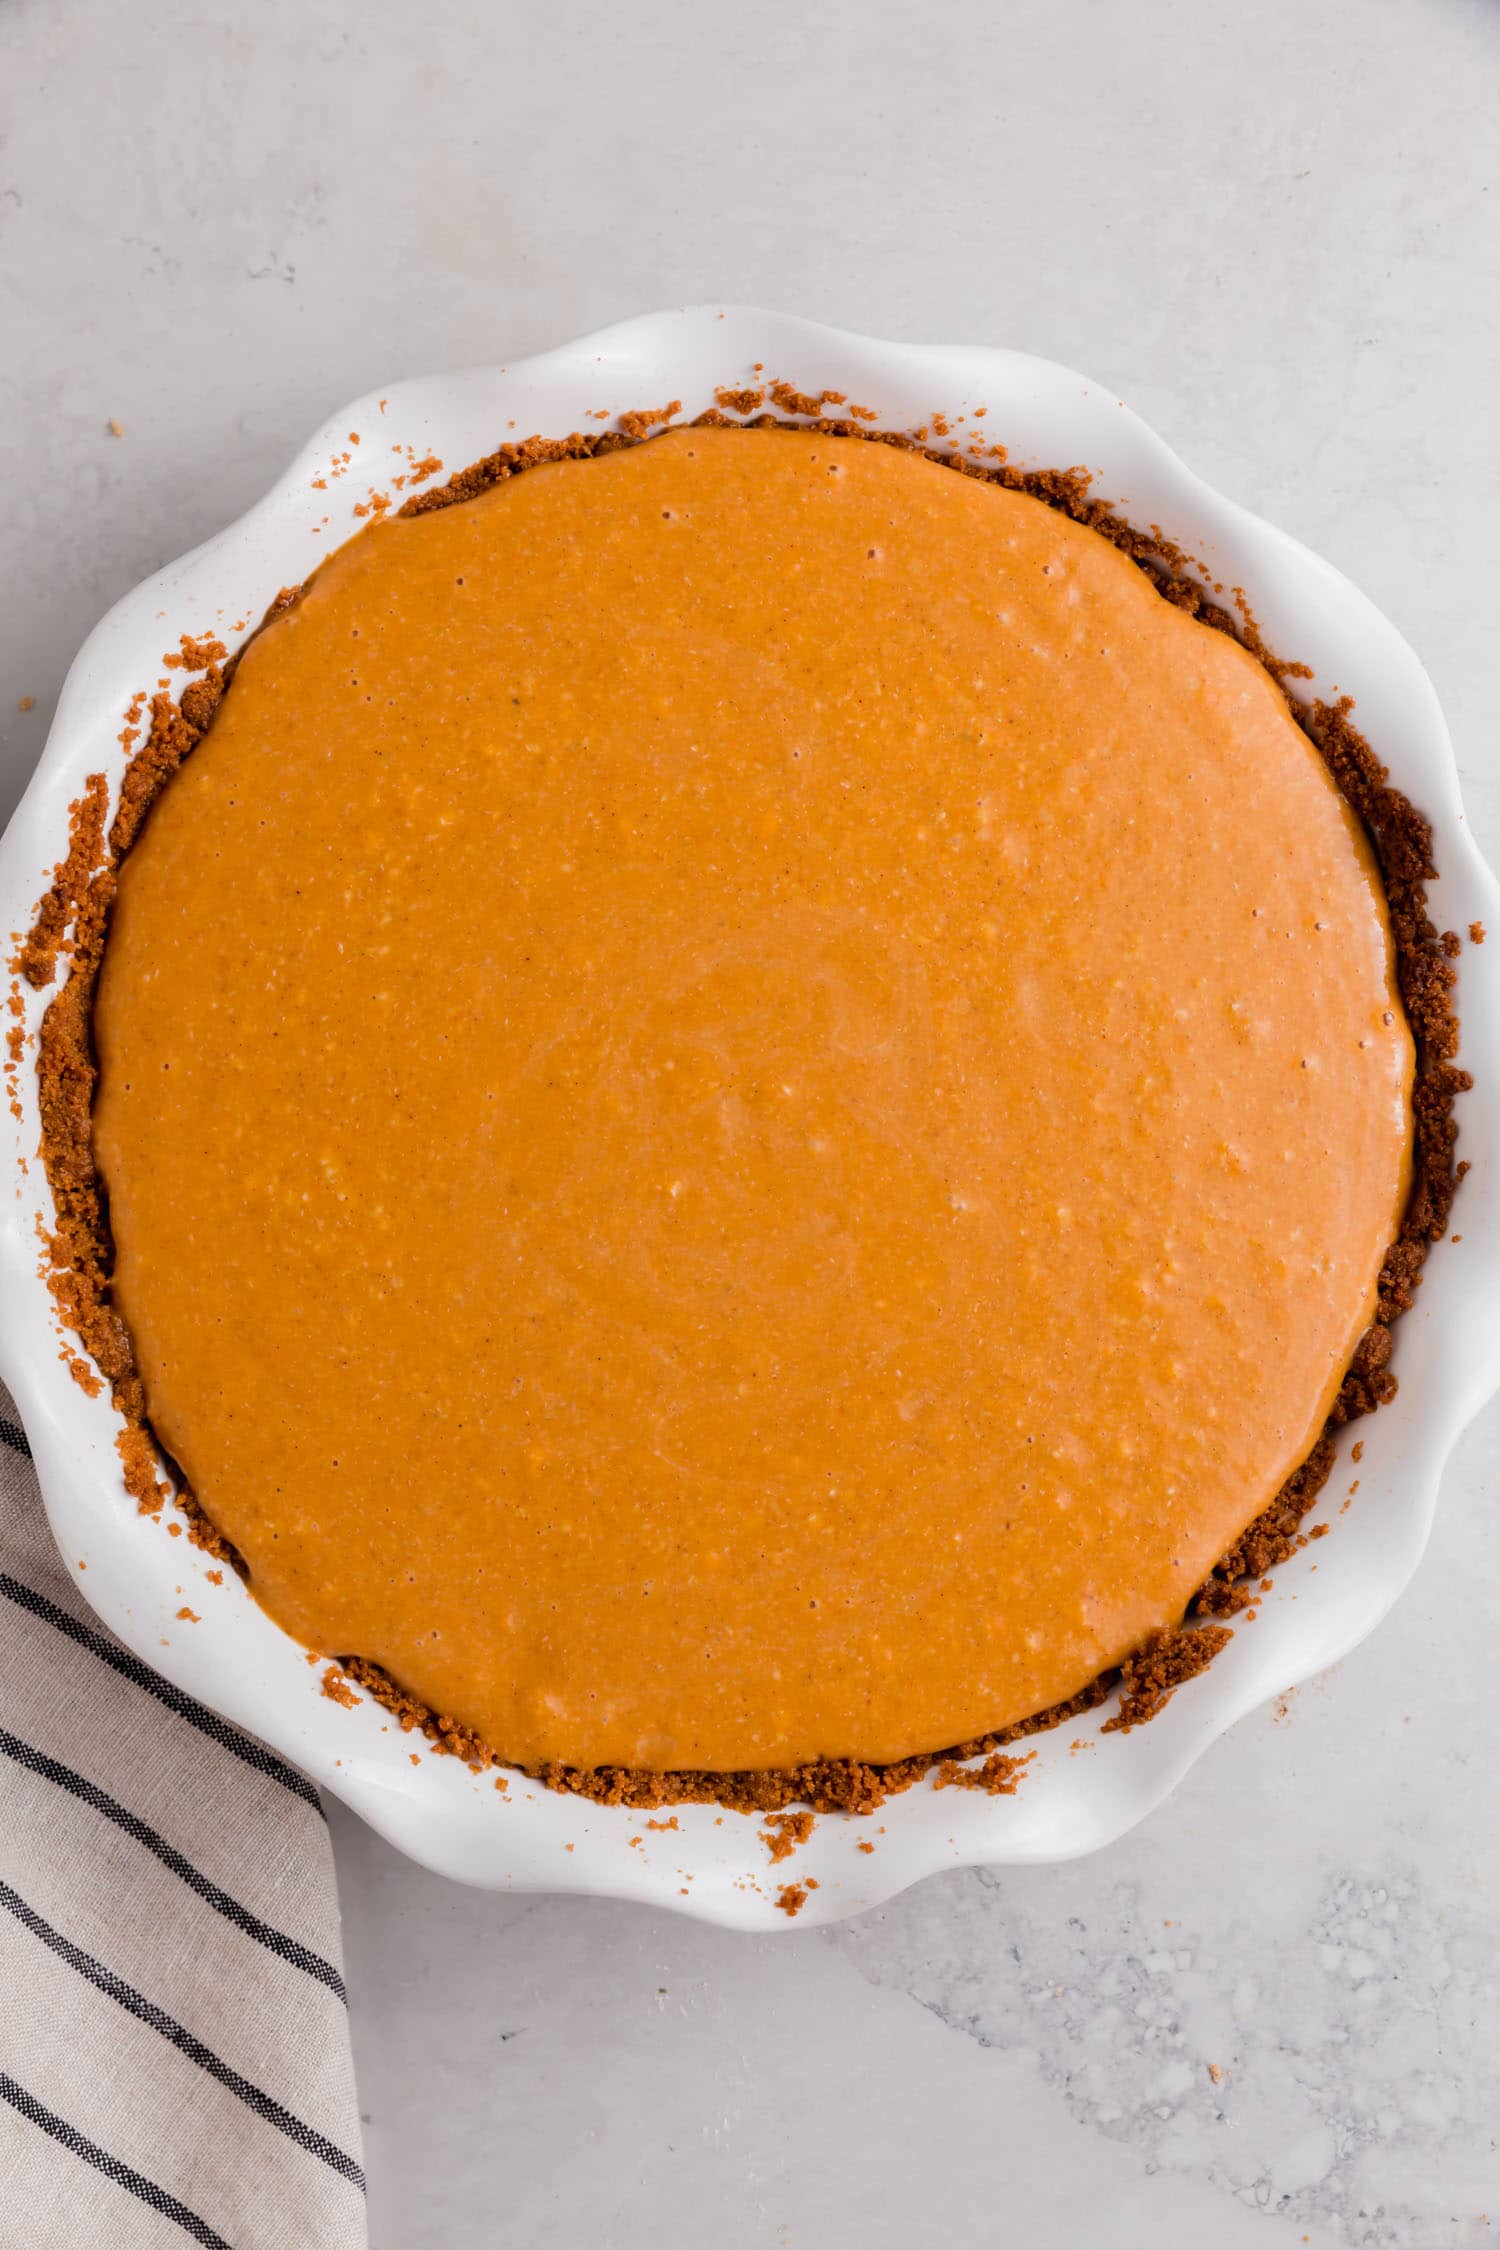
pixel 1275 231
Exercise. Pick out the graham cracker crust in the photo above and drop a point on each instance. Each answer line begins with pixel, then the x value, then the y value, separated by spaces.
pixel 72 925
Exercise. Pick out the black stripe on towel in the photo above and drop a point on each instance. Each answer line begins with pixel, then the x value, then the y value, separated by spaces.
pixel 124 2175
pixel 13 1436
pixel 275 1941
pixel 131 1668
pixel 147 2012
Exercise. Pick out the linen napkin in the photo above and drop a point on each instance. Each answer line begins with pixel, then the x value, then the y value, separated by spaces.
pixel 174 2041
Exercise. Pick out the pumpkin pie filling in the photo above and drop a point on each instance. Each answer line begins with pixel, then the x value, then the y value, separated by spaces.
pixel 751 1105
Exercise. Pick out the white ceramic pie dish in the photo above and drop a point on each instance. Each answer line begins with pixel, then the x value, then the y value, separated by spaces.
pixel 713 1865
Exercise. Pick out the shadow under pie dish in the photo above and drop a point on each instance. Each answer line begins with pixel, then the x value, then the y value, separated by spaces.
pixel 752 1106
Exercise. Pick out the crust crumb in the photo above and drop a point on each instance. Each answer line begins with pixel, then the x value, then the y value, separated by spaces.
pixel 195 655
pixel 138 1460
pixel 1150 1678
pixel 636 424
pixel 782 1833
pixel 37 959
pixel 999 1776
pixel 793 401
pixel 337 1689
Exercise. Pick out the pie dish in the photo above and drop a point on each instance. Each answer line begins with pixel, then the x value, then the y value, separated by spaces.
pixel 1067 1803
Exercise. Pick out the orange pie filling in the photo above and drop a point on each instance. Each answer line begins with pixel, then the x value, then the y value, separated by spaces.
pixel 750 1103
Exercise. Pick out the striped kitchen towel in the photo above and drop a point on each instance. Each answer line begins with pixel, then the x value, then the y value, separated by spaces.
pixel 174 2038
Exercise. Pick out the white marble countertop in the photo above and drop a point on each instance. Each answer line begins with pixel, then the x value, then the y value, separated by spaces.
pixel 1272 2016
